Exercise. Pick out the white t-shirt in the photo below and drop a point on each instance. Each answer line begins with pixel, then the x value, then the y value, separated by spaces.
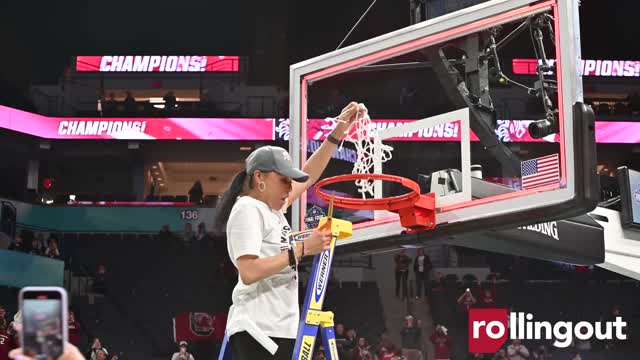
pixel 177 356
pixel 421 263
pixel 272 303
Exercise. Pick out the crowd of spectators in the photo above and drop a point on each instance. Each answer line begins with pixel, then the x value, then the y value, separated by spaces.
pixel 353 347
pixel 189 237
pixel 628 106
pixel 34 243
pixel 409 102
pixel 127 105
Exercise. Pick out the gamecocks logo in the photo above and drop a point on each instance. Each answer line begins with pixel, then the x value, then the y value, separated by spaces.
pixel 201 324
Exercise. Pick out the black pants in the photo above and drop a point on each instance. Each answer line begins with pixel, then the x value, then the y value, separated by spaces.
pixel 245 347
pixel 422 281
pixel 401 277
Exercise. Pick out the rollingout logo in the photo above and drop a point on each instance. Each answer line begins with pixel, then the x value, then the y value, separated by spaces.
pixel 489 329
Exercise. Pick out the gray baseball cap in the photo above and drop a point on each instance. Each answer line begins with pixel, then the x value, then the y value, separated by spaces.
pixel 273 158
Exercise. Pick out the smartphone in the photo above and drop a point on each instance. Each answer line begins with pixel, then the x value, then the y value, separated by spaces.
pixel 44 322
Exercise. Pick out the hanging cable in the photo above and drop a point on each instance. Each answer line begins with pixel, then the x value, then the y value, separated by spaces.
pixel 357 22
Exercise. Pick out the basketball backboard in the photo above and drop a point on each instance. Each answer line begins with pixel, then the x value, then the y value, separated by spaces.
pixel 497 151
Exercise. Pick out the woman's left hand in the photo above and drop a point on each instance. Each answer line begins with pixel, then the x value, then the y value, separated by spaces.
pixel 70 353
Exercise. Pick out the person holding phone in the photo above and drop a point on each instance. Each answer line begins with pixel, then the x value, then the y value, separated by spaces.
pixel 41 324
pixel 12 330
pixel 363 350
pixel 488 295
pixel 182 353
pixel 95 347
pixel 263 320
pixel 442 343
pixel 466 300
pixel 411 339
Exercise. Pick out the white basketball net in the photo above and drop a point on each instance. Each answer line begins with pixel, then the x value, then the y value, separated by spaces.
pixel 362 135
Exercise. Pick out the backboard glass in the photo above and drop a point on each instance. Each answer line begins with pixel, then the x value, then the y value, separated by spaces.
pixel 459 124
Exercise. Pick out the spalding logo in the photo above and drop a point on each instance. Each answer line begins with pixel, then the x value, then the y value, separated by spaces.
pixel 322 274
pixel 548 228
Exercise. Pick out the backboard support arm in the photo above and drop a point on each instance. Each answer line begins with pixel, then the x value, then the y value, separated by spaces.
pixel 482 115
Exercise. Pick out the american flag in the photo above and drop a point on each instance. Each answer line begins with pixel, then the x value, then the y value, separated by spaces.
pixel 540 172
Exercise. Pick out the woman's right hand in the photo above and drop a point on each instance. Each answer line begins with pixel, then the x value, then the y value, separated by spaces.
pixel 317 242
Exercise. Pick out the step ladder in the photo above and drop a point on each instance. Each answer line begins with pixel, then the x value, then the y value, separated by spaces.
pixel 312 317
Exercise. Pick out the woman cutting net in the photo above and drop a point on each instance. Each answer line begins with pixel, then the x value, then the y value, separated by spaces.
pixel 263 320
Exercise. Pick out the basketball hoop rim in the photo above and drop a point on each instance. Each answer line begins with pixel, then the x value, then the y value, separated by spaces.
pixel 389 203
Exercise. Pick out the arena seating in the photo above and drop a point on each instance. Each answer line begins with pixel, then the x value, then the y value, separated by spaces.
pixel 148 283
pixel 357 308
pixel 9 296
